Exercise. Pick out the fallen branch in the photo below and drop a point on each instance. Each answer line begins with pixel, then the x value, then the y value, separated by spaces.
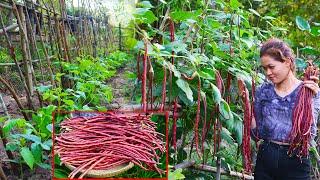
pixel 4 107
pixel 230 173
pixel 8 28
pixel 2 174
pixel 184 164
pixel 166 16
pixel 5 6
pixel 137 108
pixel 15 97
pixel 20 63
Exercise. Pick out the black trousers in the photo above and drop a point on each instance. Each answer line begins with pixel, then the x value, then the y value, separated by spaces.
pixel 273 163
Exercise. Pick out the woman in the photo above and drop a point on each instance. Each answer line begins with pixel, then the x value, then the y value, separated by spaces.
pixel 273 106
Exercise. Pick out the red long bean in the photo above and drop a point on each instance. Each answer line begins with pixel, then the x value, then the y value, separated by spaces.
pixel 218 126
pixel 302 118
pixel 228 87
pixel 219 82
pixel 138 67
pixel 247 119
pixel 205 127
pixel 196 125
pixel 172 39
pixel 108 140
pixel 144 78
pixel 164 89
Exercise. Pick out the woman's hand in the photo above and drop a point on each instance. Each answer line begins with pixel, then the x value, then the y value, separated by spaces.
pixel 312 84
pixel 253 123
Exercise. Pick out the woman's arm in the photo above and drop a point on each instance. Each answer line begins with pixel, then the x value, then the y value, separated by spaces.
pixel 257 114
pixel 253 123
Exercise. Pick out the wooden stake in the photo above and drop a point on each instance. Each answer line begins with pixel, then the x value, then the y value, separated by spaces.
pixel 15 97
pixel 24 45
pixel 214 169
pixel 45 52
pixel 3 138
pixel 2 174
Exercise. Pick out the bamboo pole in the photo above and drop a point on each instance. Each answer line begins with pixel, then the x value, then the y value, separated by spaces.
pixel 105 37
pixel 24 41
pixel 86 38
pixel 4 107
pixel 3 138
pixel 15 97
pixel 2 174
pixel 8 28
pixel 34 51
pixel 76 33
pixel 49 33
pixel 63 31
pixel 21 63
pixel 57 31
pixel 120 37
pixel 98 26
pixel 5 6
pixel 80 30
pixel 94 44
pixel 32 38
pixel 26 54
pixel 45 52
pixel 12 54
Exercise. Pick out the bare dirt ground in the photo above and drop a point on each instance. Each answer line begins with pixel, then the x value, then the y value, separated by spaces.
pixel 121 86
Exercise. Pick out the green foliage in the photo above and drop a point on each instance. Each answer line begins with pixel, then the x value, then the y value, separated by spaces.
pixel 231 159
pixel 300 22
pixel 222 36
pixel 4 56
pixel 118 59
pixel 206 40
pixel 27 156
pixel 89 76
pixel 32 140
pixel 184 86
pixel 144 14
pixel 176 174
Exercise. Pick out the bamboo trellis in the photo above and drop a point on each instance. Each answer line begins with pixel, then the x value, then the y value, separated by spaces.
pixel 37 34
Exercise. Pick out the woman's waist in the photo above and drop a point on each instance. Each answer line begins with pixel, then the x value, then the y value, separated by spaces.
pixel 280 143
pixel 276 144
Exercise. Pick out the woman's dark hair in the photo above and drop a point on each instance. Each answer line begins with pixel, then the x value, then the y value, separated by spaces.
pixel 279 50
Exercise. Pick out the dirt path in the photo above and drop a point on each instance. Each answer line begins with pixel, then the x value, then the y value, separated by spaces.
pixel 121 87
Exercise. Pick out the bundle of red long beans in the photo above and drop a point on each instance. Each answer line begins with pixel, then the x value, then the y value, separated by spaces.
pixel 246 149
pixel 108 140
pixel 302 118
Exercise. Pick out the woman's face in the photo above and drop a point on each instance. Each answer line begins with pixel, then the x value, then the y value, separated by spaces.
pixel 275 71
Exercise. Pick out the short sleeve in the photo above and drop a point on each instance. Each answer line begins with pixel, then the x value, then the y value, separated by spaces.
pixel 257 105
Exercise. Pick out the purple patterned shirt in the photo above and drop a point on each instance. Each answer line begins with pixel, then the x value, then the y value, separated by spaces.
pixel 273 113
